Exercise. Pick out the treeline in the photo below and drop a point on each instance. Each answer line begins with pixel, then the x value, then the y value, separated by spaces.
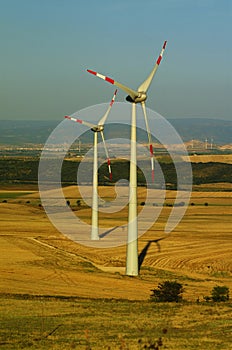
pixel 26 171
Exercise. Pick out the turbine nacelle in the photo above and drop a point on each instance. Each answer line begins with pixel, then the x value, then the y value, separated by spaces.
pixel 142 96
pixel 97 128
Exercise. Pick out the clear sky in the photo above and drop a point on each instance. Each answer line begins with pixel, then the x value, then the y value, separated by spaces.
pixel 47 45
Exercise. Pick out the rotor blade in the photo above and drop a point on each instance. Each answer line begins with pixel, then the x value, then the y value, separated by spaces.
pixel 103 119
pixel 145 85
pixel 81 122
pixel 149 140
pixel 129 91
pixel 107 155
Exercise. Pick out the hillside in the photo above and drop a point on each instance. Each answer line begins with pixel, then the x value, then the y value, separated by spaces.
pixel 26 171
pixel 36 132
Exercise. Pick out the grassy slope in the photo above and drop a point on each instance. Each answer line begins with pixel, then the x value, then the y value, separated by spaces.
pixel 111 324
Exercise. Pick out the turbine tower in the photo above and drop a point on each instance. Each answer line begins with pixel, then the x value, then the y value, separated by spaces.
pixel 135 96
pixel 211 144
pixel 97 129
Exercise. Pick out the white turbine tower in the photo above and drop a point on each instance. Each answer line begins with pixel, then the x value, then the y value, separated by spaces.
pixel 135 96
pixel 211 144
pixel 97 129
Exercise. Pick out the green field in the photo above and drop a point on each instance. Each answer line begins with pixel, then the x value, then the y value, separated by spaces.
pixel 72 323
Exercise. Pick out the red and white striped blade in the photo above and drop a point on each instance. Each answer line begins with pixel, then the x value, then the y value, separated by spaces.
pixel 149 140
pixel 81 121
pixel 145 85
pixel 103 119
pixel 129 91
pixel 107 155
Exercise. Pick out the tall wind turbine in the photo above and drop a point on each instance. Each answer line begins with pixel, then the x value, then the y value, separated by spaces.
pixel 97 129
pixel 135 96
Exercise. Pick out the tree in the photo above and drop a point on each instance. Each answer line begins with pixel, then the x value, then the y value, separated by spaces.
pixel 220 293
pixel 168 291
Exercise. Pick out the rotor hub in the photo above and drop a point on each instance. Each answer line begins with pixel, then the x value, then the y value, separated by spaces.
pixel 142 96
pixel 97 128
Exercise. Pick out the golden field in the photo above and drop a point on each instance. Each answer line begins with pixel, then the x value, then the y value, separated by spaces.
pixel 205 158
pixel 36 258
pixel 59 294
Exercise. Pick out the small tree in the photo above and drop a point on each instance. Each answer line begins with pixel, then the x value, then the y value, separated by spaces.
pixel 168 291
pixel 220 293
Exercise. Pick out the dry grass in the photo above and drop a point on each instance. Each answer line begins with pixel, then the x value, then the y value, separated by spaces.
pixel 39 267
pixel 205 158
pixel 56 323
pixel 42 261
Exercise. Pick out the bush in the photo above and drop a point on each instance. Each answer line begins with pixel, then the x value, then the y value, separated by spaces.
pixel 220 293
pixel 168 291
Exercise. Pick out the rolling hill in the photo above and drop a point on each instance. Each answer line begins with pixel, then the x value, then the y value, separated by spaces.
pixel 21 132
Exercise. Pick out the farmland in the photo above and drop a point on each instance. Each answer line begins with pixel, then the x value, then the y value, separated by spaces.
pixel 49 281
pixel 59 294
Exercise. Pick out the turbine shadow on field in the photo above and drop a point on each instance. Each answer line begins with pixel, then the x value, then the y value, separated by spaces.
pixel 143 253
pixel 102 235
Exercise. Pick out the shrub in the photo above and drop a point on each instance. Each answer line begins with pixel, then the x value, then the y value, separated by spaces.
pixel 220 293
pixel 168 291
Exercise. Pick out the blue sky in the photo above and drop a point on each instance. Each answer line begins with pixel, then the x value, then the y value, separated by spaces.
pixel 47 45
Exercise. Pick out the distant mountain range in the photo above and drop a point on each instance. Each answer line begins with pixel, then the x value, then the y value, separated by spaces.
pixel 36 132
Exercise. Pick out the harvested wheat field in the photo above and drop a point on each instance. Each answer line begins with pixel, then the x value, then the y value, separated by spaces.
pixel 205 158
pixel 36 258
pixel 59 294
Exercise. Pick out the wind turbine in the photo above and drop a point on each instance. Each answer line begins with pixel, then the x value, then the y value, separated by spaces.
pixel 135 96
pixel 97 129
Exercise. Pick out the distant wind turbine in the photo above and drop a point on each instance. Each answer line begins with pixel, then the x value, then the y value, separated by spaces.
pixel 97 129
pixel 211 144
pixel 135 96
